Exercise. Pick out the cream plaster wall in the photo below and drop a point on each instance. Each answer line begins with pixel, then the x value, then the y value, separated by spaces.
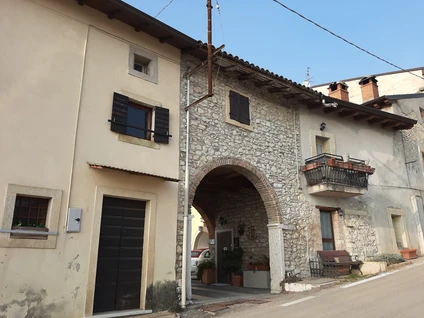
pixel 388 84
pixel 60 63
pixel 388 186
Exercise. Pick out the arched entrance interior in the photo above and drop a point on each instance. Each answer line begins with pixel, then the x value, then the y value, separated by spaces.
pixel 240 209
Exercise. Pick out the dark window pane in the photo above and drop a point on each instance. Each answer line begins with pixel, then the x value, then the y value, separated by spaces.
pixel 138 118
pixel 30 211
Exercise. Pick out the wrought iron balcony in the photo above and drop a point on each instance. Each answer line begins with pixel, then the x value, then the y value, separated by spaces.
pixel 329 175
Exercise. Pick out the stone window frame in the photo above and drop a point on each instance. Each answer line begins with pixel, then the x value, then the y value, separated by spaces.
pixel 148 240
pixel 152 76
pixel 52 221
pixel 421 158
pixel 401 213
pixel 230 121
pixel 313 134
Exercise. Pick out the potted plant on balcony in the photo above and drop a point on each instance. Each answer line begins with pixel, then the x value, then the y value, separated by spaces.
pixel 409 253
pixel 206 271
pixel 233 261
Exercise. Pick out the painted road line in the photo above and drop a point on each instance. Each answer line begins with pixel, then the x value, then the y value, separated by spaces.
pixel 368 279
pixel 297 301
pixel 380 275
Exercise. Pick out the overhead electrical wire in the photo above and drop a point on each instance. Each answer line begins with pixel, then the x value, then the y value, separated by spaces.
pixel 218 8
pixel 164 8
pixel 343 39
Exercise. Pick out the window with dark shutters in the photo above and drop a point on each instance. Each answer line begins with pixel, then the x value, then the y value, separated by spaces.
pixel 161 125
pixel 135 120
pixel 239 108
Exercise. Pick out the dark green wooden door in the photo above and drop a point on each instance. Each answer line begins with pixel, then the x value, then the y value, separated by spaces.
pixel 118 278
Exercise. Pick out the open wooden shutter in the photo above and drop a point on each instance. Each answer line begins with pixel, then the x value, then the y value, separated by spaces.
pixel 161 125
pixel 244 110
pixel 234 105
pixel 119 113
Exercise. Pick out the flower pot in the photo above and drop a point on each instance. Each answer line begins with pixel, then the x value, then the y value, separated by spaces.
pixel 262 267
pixel 251 267
pixel 29 236
pixel 208 276
pixel 409 253
pixel 237 280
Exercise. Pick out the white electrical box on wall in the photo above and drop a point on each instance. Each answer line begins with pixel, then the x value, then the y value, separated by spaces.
pixel 73 222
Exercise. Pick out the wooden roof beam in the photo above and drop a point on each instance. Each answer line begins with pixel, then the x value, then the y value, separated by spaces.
pixel 343 112
pixel 113 14
pixel 329 109
pixel 246 76
pixel 140 27
pixel 273 90
pixel 166 39
pixel 377 120
pixel 389 124
pixel 360 116
pixel 230 68
pixel 263 83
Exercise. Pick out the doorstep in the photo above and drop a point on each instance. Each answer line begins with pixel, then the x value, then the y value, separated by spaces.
pixel 308 284
pixel 121 313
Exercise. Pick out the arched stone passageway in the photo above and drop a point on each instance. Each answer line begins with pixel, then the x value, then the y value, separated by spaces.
pixel 235 199
pixel 254 175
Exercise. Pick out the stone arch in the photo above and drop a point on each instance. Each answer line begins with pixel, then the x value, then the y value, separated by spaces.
pixel 245 168
pixel 210 225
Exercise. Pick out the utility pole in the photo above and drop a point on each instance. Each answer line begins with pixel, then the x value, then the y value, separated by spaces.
pixel 186 276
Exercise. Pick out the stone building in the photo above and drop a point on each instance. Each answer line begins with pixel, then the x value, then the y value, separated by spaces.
pixel 246 148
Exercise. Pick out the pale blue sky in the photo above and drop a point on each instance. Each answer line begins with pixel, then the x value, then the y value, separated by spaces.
pixel 266 34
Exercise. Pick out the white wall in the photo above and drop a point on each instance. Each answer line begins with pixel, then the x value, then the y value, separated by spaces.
pixel 388 186
pixel 61 62
pixel 390 84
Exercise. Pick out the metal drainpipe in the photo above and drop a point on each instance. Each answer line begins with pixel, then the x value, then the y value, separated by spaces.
pixel 186 193
pixel 295 149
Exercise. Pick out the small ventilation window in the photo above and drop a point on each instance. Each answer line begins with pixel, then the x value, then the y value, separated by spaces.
pixel 141 64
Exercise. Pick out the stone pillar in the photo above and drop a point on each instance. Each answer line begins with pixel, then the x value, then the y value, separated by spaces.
pixel 276 256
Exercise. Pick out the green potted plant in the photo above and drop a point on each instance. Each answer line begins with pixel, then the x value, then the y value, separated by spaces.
pixel 206 271
pixel 40 227
pixel 233 261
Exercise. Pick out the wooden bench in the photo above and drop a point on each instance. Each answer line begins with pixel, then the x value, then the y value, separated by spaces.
pixel 335 263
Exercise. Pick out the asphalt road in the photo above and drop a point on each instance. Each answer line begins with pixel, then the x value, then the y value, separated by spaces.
pixel 398 294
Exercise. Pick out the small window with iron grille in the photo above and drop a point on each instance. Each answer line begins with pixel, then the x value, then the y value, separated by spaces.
pixel 30 212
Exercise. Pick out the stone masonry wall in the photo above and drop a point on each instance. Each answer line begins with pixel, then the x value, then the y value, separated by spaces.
pixel 270 148
pixel 245 208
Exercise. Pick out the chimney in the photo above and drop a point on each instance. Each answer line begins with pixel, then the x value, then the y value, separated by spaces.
pixel 369 88
pixel 338 90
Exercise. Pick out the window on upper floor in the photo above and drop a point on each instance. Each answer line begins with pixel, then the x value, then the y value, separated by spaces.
pixel 143 64
pixel 239 108
pixel 322 145
pixel 134 119
pixel 322 142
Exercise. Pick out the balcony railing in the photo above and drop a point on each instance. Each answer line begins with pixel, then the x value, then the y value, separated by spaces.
pixel 332 169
